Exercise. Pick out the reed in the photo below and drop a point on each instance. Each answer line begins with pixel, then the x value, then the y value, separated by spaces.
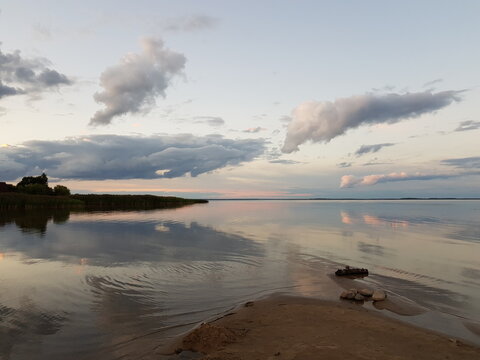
pixel 19 201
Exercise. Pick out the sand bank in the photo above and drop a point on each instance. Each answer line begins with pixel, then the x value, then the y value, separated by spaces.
pixel 302 328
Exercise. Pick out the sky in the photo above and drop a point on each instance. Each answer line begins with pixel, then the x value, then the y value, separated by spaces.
pixel 235 99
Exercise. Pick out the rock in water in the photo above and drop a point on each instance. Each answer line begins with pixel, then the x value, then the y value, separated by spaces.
pixel 366 292
pixel 359 297
pixel 351 295
pixel 379 295
pixel 347 295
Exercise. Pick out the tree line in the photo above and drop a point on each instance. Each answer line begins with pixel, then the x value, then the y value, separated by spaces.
pixel 35 185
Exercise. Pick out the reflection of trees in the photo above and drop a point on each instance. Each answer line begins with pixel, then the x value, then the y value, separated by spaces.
pixel 34 221
pixel 26 324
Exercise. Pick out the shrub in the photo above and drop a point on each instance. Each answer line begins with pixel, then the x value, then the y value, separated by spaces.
pixel 61 190
pixel 35 189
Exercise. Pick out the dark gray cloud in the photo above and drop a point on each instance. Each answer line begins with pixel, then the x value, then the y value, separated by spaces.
pixel 8 90
pixel 322 121
pixel 51 78
pixel 210 120
pixel 431 83
pixel 19 75
pixel 133 85
pixel 468 125
pixel 463 163
pixel 344 164
pixel 99 157
pixel 375 161
pixel 190 23
pixel 365 149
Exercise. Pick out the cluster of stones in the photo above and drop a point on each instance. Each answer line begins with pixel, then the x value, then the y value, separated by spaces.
pixel 363 295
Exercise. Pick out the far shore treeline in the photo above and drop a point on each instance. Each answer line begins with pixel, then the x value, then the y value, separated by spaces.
pixel 33 192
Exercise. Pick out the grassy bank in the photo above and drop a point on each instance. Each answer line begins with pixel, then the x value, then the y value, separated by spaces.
pixel 19 201
pixel 106 201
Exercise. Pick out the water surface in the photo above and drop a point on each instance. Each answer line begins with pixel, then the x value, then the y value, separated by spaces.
pixel 119 284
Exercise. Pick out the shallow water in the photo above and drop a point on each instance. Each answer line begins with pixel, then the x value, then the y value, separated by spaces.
pixel 120 284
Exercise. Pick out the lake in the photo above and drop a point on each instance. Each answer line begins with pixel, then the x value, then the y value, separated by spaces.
pixel 111 285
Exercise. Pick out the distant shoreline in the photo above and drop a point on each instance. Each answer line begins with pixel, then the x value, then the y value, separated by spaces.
pixel 341 199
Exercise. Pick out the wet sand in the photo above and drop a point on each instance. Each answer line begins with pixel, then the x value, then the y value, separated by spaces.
pixel 284 327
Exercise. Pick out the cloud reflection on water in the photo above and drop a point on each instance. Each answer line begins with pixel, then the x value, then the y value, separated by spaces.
pixel 115 243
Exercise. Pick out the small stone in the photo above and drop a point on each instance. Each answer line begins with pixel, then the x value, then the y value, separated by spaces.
pixel 178 350
pixel 366 292
pixel 353 290
pixel 351 295
pixel 347 295
pixel 379 295
pixel 249 303
pixel 359 297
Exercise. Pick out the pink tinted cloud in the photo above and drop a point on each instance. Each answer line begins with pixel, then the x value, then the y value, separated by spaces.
pixel 349 181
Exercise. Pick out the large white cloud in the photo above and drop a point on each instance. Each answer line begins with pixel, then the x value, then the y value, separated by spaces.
pixel 133 85
pixel 323 121
pixel 98 157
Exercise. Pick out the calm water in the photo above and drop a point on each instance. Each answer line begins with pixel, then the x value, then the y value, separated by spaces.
pixel 119 284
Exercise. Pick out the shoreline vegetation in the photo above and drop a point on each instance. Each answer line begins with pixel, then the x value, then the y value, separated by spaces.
pixel 20 201
pixel 284 327
pixel 33 192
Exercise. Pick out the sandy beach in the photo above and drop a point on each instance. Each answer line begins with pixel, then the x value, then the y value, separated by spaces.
pixel 284 327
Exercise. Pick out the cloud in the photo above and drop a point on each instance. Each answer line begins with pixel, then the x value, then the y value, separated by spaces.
pixel 375 161
pixel 469 165
pixel 132 85
pixel 8 90
pixel 99 157
pixel 254 130
pixel 463 163
pixel 284 162
pixel 190 23
pixel 431 83
pixel 322 121
pixel 20 75
pixel 349 181
pixel 468 125
pixel 42 32
pixel 344 164
pixel 210 120
pixel 365 149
